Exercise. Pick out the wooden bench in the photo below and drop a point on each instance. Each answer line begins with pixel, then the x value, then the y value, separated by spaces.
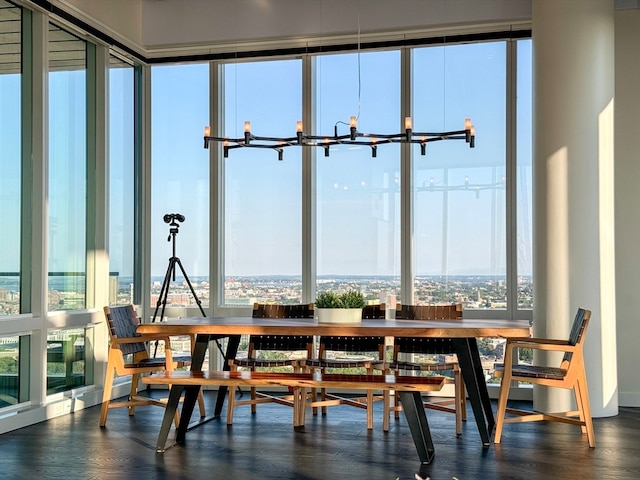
pixel 408 387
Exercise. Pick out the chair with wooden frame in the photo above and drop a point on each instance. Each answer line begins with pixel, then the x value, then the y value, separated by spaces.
pixel 363 350
pixel 403 346
pixel 570 374
pixel 259 345
pixel 128 355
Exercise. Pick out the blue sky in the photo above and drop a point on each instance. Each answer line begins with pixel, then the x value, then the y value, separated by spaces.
pixel 358 229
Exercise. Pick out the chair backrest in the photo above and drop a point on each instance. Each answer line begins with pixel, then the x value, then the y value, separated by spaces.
pixel 374 311
pixel 451 311
pixel 281 342
pixel 269 310
pixel 356 344
pixel 578 329
pixel 424 344
pixel 122 322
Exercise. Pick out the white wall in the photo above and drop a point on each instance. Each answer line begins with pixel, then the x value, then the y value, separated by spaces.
pixel 627 199
pixel 121 19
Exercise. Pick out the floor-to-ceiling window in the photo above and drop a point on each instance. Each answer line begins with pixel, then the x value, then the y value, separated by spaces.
pixel 67 191
pixel 11 346
pixel 10 157
pixel 67 206
pixel 180 185
pixel 459 193
pixel 357 193
pixel 524 173
pixel 262 211
pixel 458 228
pixel 121 181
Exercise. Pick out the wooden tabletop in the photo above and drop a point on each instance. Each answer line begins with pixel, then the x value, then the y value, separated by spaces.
pixel 224 326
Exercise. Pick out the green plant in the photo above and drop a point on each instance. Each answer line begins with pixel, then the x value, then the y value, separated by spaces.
pixel 349 299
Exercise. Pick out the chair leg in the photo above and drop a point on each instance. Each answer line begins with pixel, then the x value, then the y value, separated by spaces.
pixel 299 406
pixel 230 403
pixel 203 412
pixel 369 409
pixel 386 398
pixel 457 380
pixel 135 378
pixel 396 404
pixel 106 395
pixel 582 399
pixel 463 399
pixel 253 397
pixel 502 405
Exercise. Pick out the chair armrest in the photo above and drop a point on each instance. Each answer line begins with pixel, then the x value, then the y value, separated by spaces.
pixel 540 344
pixel 142 338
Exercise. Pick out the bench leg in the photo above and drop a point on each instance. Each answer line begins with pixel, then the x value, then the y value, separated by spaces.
pixel 417 420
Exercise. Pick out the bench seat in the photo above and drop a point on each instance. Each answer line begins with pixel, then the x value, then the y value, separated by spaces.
pixel 297 383
pixel 298 380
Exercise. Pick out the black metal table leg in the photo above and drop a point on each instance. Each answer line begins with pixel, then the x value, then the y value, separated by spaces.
pixel 169 414
pixel 473 375
pixel 417 421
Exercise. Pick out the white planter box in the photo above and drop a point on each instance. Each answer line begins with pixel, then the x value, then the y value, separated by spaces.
pixel 339 315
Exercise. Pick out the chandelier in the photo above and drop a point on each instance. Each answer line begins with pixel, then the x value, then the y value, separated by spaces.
pixel 354 137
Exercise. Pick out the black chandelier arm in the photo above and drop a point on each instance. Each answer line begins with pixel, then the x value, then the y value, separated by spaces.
pixel 371 140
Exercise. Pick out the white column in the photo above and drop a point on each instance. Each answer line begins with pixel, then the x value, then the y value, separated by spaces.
pixel 573 65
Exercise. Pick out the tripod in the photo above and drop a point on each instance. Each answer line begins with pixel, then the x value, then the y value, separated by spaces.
pixel 172 219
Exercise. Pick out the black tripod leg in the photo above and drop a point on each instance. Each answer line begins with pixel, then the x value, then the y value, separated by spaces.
pixel 193 292
pixel 162 298
pixel 164 291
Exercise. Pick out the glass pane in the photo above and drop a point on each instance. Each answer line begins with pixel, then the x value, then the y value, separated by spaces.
pixel 358 202
pixel 10 158
pixel 180 183
pixel 524 188
pixel 121 181
pixel 9 371
pixel 459 192
pixel 67 170
pixel 262 195
pixel 67 359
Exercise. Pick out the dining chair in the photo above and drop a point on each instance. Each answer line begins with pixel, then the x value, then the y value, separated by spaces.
pixel 570 374
pixel 339 353
pixel 416 355
pixel 129 355
pixel 272 352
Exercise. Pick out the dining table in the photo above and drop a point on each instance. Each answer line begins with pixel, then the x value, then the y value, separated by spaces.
pixel 460 334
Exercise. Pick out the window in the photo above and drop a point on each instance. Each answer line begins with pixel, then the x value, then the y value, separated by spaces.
pixel 67 202
pixel 121 181
pixel 358 197
pixel 10 371
pixel 262 195
pixel 69 359
pixel 459 193
pixel 10 158
pixel 180 181
pixel 524 173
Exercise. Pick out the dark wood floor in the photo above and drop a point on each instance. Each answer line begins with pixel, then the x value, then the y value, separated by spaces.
pixel 337 446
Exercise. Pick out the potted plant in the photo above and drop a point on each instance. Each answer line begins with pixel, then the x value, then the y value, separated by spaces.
pixel 335 307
